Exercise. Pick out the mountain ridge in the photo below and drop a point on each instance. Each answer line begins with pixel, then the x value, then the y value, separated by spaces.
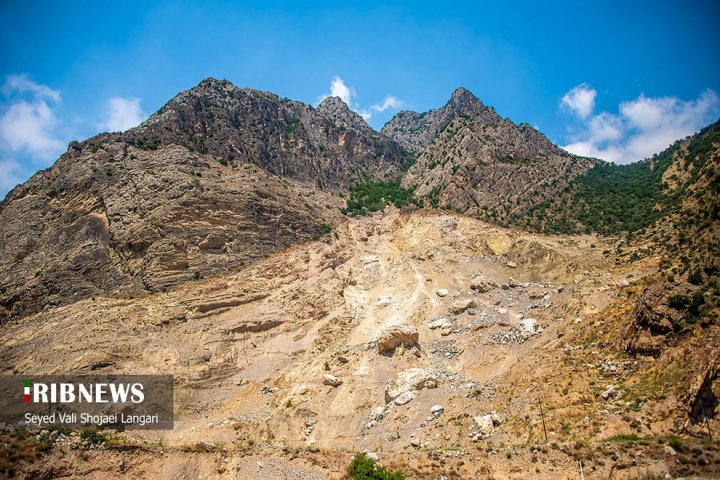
pixel 220 176
pixel 416 131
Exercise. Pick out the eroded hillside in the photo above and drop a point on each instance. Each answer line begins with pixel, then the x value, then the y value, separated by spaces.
pixel 430 339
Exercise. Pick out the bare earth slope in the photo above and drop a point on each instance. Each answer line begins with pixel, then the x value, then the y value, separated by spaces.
pixel 504 321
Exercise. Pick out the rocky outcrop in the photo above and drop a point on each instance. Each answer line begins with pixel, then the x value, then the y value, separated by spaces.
pixel 114 217
pixel 415 131
pixel 460 306
pixel 489 167
pixel 409 380
pixel 324 148
pixel 331 380
pixel 392 337
pixel 338 112
pixel 658 313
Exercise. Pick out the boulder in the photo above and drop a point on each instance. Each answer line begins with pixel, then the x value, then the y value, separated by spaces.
pixel 442 292
pixel 459 306
pixel 331 380
pixel 372 456
pixel 437 410
pixel 609 393
pixel 392 337
pixel 405 397
pixel 439 323
pixel 487 423
pixel 530 326
pixel 496 418
pixel 484 423
pixel 481 283
pixel 409 380
pixel 377 414
pixel 384 301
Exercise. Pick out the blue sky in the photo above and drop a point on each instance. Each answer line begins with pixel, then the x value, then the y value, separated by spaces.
pixel 617 80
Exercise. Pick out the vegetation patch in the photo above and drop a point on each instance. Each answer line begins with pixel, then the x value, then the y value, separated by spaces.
pixel 371 197
pixel 363 468
pixel 93 436
pixel 17 447
pixel 611 199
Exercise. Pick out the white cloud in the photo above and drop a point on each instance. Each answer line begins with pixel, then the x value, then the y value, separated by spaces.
pixel 339 89
pixel 22 84
pixel 28 129
pixel 642 127
pixel 27 124
pixel 33 133
pixel 346 93
pixel 580 100
pixel 122 113
pixel 390 101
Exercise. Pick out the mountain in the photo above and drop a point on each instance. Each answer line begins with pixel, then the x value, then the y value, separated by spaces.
pixel 337 111
pixel 415 131
pixel 111 216
pixel 674 186
pixel 281 136
pixel 218 177
pixel 689 228
pixel 488 167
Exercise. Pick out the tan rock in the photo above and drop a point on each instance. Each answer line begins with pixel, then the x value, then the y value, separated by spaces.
pixel 331 380
pixel 408 381
pixel 392 337
pixel 481 283
pixel 459 306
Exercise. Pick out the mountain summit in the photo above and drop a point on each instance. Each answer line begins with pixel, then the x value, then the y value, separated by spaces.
pixel 416 131
pixel 335 109
pixel 281 136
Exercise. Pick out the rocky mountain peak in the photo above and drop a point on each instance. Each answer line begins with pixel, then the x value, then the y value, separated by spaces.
pixel 336 110
pixel 333 103
pixel 416 131
pixel 212 83
pixel 463 99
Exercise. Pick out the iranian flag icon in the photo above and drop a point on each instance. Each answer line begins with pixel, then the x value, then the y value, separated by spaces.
pixel 26 391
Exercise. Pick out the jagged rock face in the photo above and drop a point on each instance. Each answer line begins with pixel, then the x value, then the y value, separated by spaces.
pixel 217 177
pixel 108 216
pixel 281 136
pixel 654 319
pixel 415 131
pixel 490 167
pixel 338 112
